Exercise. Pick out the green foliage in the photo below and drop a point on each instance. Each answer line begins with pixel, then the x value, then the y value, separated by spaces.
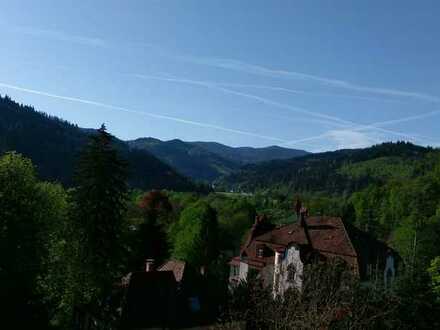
pixel 235 224
pixel 330 299
pixel 157 217
pixel 32 214
pixel 156 208
pixel 418 307
pixel 56 266
pixel 235 217
pixel 337 172
pixel 434 272
pixel 194 236
pixel 99 206
pixel 367 205
pixel 380 169
pixel 417 240
pixel 20 220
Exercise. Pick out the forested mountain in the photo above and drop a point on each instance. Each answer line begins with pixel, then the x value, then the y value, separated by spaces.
pixel 249 155
pixel 342 171
pixel 209 160
pixel 189 159
pixel 53 145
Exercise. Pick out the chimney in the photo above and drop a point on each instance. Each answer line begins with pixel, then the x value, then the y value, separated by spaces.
pixel 303 223
pixel 261 225
pixel 303 213
pixel 298 206
pixel 149 265
pixel 256 228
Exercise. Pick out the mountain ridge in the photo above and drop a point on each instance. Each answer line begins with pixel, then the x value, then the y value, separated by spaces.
pixel 53 146
pixel 331 172
pixel 207 161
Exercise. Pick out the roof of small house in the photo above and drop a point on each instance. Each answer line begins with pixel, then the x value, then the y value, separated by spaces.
pixel 175 266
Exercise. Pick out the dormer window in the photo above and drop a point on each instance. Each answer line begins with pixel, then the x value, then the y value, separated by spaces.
pixel 260 252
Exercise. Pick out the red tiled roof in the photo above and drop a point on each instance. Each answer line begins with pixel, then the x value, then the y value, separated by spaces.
pixel 176 266
pixel 249 256
pixel 327 235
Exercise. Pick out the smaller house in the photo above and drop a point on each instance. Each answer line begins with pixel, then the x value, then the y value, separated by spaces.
pixel 279 253
pixel 150 298
pixel 159 297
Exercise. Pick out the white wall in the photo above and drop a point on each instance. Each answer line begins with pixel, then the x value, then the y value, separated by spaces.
pixel 390 271
pixel 243 271
pixel 291 257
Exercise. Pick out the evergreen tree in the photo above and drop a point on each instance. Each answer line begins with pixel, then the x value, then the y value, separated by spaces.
pixel 99 206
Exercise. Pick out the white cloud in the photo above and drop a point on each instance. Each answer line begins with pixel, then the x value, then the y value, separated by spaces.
pixel 347 139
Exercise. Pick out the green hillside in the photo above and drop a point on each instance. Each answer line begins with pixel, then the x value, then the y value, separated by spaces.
pixel 336 172
pixel 53 145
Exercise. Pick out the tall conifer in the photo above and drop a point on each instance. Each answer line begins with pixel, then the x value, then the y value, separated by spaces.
pixel 100 202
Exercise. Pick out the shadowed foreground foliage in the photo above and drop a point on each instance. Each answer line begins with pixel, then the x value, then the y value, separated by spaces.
pixel 331 298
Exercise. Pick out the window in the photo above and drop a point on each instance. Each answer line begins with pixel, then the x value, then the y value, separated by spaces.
pixel 235 270
pixel 291 271
pixel 260 250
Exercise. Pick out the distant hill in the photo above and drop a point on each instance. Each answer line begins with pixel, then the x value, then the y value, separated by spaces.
pixel 207 161
pixel 249 155
pixel 189 159
pixel 53 145
pixel 336 172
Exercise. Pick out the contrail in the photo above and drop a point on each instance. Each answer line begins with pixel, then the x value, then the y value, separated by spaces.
pixel 215 86
pixel 61 36
pixel 240 66
pixel 375 126
pixel 266 87
pixel 298 91
pixel 149 114
pixel 405 119
pixel 307 120
pixel 232 64
pixel 359 127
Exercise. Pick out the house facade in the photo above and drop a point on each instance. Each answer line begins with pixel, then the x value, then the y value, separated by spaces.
pixel 278 254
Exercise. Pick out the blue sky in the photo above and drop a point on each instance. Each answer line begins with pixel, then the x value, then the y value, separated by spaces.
pixel 314 75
